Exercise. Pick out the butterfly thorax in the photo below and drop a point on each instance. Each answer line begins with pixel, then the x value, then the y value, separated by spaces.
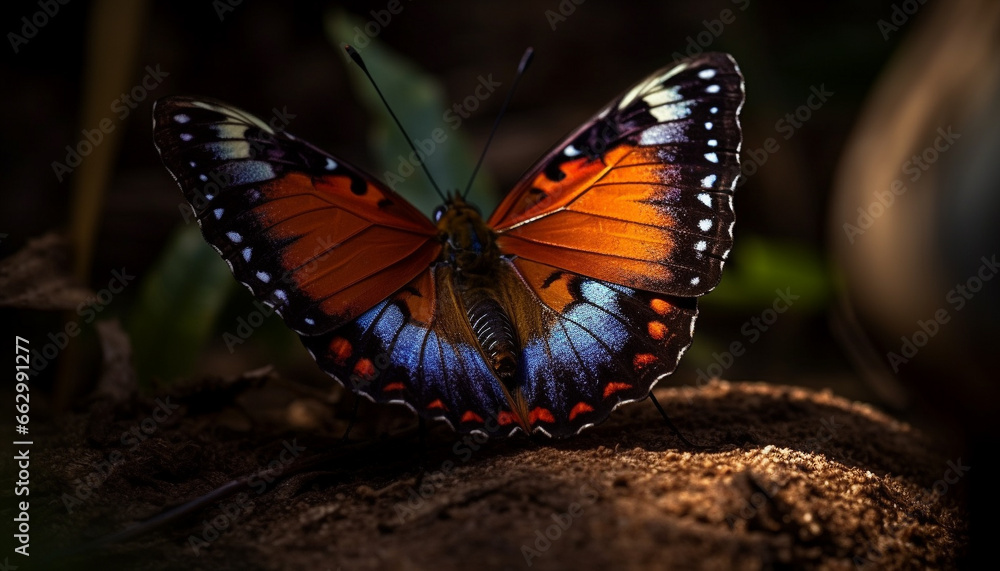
pixel 470 248
pixel 469 244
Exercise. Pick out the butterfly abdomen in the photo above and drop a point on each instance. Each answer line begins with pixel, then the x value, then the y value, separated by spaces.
pixel 494 331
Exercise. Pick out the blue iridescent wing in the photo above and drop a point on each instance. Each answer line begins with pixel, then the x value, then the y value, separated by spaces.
pixel 587 347
pixel 598 345
pixel 416 348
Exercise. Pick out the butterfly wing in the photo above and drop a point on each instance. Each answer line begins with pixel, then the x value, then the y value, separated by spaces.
pixel 613 234
pixel 641 195
pixel 596 345
pixel 588 346
pixel 416 348
pixel 307 233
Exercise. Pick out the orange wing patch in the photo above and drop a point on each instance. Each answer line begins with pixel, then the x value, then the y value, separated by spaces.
pixel 612 388
pixel 552 287
pixel 643 360
pixel 580 408
pixel 660 306
pixel 421 305
pixel 346 247
pixel 340 350
pixel 657 330
pixel 539 414
pixel 470 416
pixel 523 204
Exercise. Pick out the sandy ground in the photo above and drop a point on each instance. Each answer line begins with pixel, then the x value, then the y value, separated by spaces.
pixel 788 478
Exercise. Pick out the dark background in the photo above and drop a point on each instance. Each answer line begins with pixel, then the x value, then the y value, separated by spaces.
pixel 262 55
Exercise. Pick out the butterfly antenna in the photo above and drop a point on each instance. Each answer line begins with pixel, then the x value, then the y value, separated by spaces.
pixel 357 59
pixel 525 61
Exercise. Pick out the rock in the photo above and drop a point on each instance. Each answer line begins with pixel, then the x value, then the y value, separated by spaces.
pixel 790 477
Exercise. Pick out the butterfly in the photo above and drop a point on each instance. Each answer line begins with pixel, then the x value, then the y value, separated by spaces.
pixel 575 296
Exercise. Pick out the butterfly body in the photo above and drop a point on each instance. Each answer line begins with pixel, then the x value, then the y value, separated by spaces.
pixel 575 296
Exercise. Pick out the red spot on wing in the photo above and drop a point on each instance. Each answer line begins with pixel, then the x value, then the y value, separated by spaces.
pixel 437 404
pixel 539 414
pixel 580 408
pixel 657 330
pixel 364 368
pixel 643 360
pixel 340 350
pixel 660 306
pixel 506 418
pixel 393 387
pixel 470 416
pixel 612 388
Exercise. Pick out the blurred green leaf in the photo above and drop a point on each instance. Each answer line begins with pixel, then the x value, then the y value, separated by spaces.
pixel 757 267
pixel 179 301
pixel 419 102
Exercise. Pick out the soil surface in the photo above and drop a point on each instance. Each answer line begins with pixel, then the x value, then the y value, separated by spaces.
pixel 784 477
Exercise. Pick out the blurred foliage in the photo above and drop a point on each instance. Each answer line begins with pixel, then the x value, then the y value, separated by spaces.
pixel 419 101
pixel 757 266
pixel 178 303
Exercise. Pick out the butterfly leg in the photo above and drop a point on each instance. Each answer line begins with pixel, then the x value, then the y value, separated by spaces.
pixel 670 424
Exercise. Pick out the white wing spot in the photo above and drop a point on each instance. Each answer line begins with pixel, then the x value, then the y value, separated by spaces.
pixel 331 164
pixel 264 276
pixel 247 252
pixel 695 280
pixel 708 125
pixel 705 224
pixel 192 163
pixel 712 89
pixel 705 199
pixel 713 143
pixel 181 118
pixel 309 321
pixel 234 237
pixel 186 137
pixel 571 151
pixel 280 294
pixel 662 134
pixel 708 181
pixel 706 73
pixel 713 110
pixel 218 213
pixel 671 111
pixel 712 157
pixel 663 97
pixel 209 196
pixel 202 178
pixel 701 245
